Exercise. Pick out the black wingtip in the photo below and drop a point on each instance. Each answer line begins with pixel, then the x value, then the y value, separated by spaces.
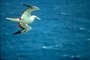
pixel 26 5
pixel 18 32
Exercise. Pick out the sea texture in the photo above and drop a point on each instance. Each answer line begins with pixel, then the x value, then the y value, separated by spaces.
pixel 63 33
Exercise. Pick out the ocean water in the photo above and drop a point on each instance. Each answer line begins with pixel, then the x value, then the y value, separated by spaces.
pixel 63 33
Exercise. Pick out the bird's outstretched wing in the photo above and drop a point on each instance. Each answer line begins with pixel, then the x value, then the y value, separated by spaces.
pixel 27 12
pixel 24 27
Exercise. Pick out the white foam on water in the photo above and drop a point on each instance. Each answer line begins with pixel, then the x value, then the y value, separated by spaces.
pixel 64 55
pixel 88 30
pixel 47 47
pixel 77 56
pixel 11 47
pixel 63 13
pixel 53 46
pixel 72 56
pixel 57 45
pixel 88 39
pixel 2 14
pixel 82 28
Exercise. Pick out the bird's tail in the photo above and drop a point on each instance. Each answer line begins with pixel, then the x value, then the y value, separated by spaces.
pixel 13 19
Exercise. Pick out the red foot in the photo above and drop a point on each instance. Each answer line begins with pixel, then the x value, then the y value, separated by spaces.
pixel 20 18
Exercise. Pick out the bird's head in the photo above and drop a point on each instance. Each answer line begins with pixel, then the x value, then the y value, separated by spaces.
pixel 35 17
pixel 34 8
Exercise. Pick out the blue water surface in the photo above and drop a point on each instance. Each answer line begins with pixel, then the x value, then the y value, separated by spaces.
pixel 63 33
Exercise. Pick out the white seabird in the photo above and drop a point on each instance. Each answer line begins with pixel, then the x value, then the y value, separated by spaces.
pixel 26 18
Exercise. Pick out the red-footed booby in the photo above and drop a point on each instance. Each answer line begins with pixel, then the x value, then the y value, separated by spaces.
pixel 26 18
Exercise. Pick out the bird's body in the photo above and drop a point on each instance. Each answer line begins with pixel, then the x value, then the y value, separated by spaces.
pixel 25 19
pixel 28 20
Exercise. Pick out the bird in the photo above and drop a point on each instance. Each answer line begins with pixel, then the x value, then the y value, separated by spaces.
pixel 25 19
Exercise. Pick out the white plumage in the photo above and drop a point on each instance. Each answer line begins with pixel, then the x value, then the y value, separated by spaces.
pixel 26 18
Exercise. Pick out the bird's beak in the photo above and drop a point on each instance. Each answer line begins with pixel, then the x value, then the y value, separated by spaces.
pixel 36 8
pixel 38 18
